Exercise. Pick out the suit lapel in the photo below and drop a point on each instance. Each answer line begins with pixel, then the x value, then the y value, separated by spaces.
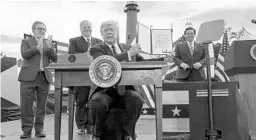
pixel 82 42
pixel 195 48
pixel 121 47
pixel 93 41
pixel 33 42
pixel 107 49
pixel 187 48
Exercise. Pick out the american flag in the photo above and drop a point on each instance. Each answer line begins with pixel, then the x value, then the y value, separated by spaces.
pixel 220 75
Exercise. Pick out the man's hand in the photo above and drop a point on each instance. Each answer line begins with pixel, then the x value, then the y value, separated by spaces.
pixel 197 65
pixel 49 42
pixel 134 50
pixel 184 66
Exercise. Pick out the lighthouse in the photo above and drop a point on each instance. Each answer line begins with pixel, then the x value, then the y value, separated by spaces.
pixel 131 9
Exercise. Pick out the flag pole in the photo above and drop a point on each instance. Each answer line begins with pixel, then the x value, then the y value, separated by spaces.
pixel 211 134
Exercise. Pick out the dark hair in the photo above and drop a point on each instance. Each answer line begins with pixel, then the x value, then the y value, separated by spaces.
pixel 189 28
pixel 35 23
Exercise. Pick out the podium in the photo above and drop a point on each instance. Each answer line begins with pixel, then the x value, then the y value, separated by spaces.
pixel 228 109
pixel 241 67
pixel 77 74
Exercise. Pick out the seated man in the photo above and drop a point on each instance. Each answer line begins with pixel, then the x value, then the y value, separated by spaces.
pixel 100 99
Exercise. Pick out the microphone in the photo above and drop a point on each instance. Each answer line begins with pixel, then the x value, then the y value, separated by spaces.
pixel 253 21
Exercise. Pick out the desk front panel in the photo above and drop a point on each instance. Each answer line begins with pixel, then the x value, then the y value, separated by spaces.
pixel 129 77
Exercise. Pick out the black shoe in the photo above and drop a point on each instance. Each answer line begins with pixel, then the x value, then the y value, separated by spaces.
pixel 25 135
pixel 40 135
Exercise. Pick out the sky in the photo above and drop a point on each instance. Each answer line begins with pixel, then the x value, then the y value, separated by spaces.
pixel 62 18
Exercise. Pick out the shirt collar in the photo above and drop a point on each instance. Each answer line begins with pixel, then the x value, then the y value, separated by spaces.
pixel 193 43
pixel 110 46
pixel 87 38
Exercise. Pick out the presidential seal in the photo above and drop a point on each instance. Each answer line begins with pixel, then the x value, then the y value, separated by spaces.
pixel 253 52
pixel 105 71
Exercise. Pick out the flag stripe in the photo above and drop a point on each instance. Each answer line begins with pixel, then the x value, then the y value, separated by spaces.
pixel 149 99
pixel 220 66
pixel 221 58
pixel 176 134
pixel 151 89
pixel 176 125
pixel 214 91
pixel 214 94
pixel 175 97
pixel 220 76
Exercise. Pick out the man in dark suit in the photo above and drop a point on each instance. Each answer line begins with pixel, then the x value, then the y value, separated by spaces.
pixel 190 58
pixel 101 99
pixel 37 53
pixel 82 44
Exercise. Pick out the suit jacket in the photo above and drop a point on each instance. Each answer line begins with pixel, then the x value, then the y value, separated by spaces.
pixel 79 44
pixel 182 55
pixel 31 62
pixel 103 49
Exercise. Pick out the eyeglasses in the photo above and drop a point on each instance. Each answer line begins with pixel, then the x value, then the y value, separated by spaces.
pixel 41 29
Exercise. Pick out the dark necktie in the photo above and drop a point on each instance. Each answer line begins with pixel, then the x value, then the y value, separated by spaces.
pixel 121 88
pixel 88 42
pixel 114 50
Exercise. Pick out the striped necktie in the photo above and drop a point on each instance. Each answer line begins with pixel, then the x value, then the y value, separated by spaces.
pixel 191 49
pixel 89 42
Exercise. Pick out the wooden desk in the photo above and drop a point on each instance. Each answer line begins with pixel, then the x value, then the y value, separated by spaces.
pixel 133 73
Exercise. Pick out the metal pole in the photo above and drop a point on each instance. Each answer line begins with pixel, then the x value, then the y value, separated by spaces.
pixel 212 133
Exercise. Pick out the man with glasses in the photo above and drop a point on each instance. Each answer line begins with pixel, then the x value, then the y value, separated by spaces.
pixel 82 44
pixel 190 58
pixel 37 53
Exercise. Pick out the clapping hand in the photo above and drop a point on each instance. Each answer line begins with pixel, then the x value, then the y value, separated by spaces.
pixel 49 42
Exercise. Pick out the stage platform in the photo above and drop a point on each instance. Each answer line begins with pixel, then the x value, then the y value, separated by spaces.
pixel 145 129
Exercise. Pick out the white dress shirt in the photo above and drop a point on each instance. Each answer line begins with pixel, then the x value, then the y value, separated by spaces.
pixel 191 44
pixel 40 47
pixel 86 39
pixel 118 50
